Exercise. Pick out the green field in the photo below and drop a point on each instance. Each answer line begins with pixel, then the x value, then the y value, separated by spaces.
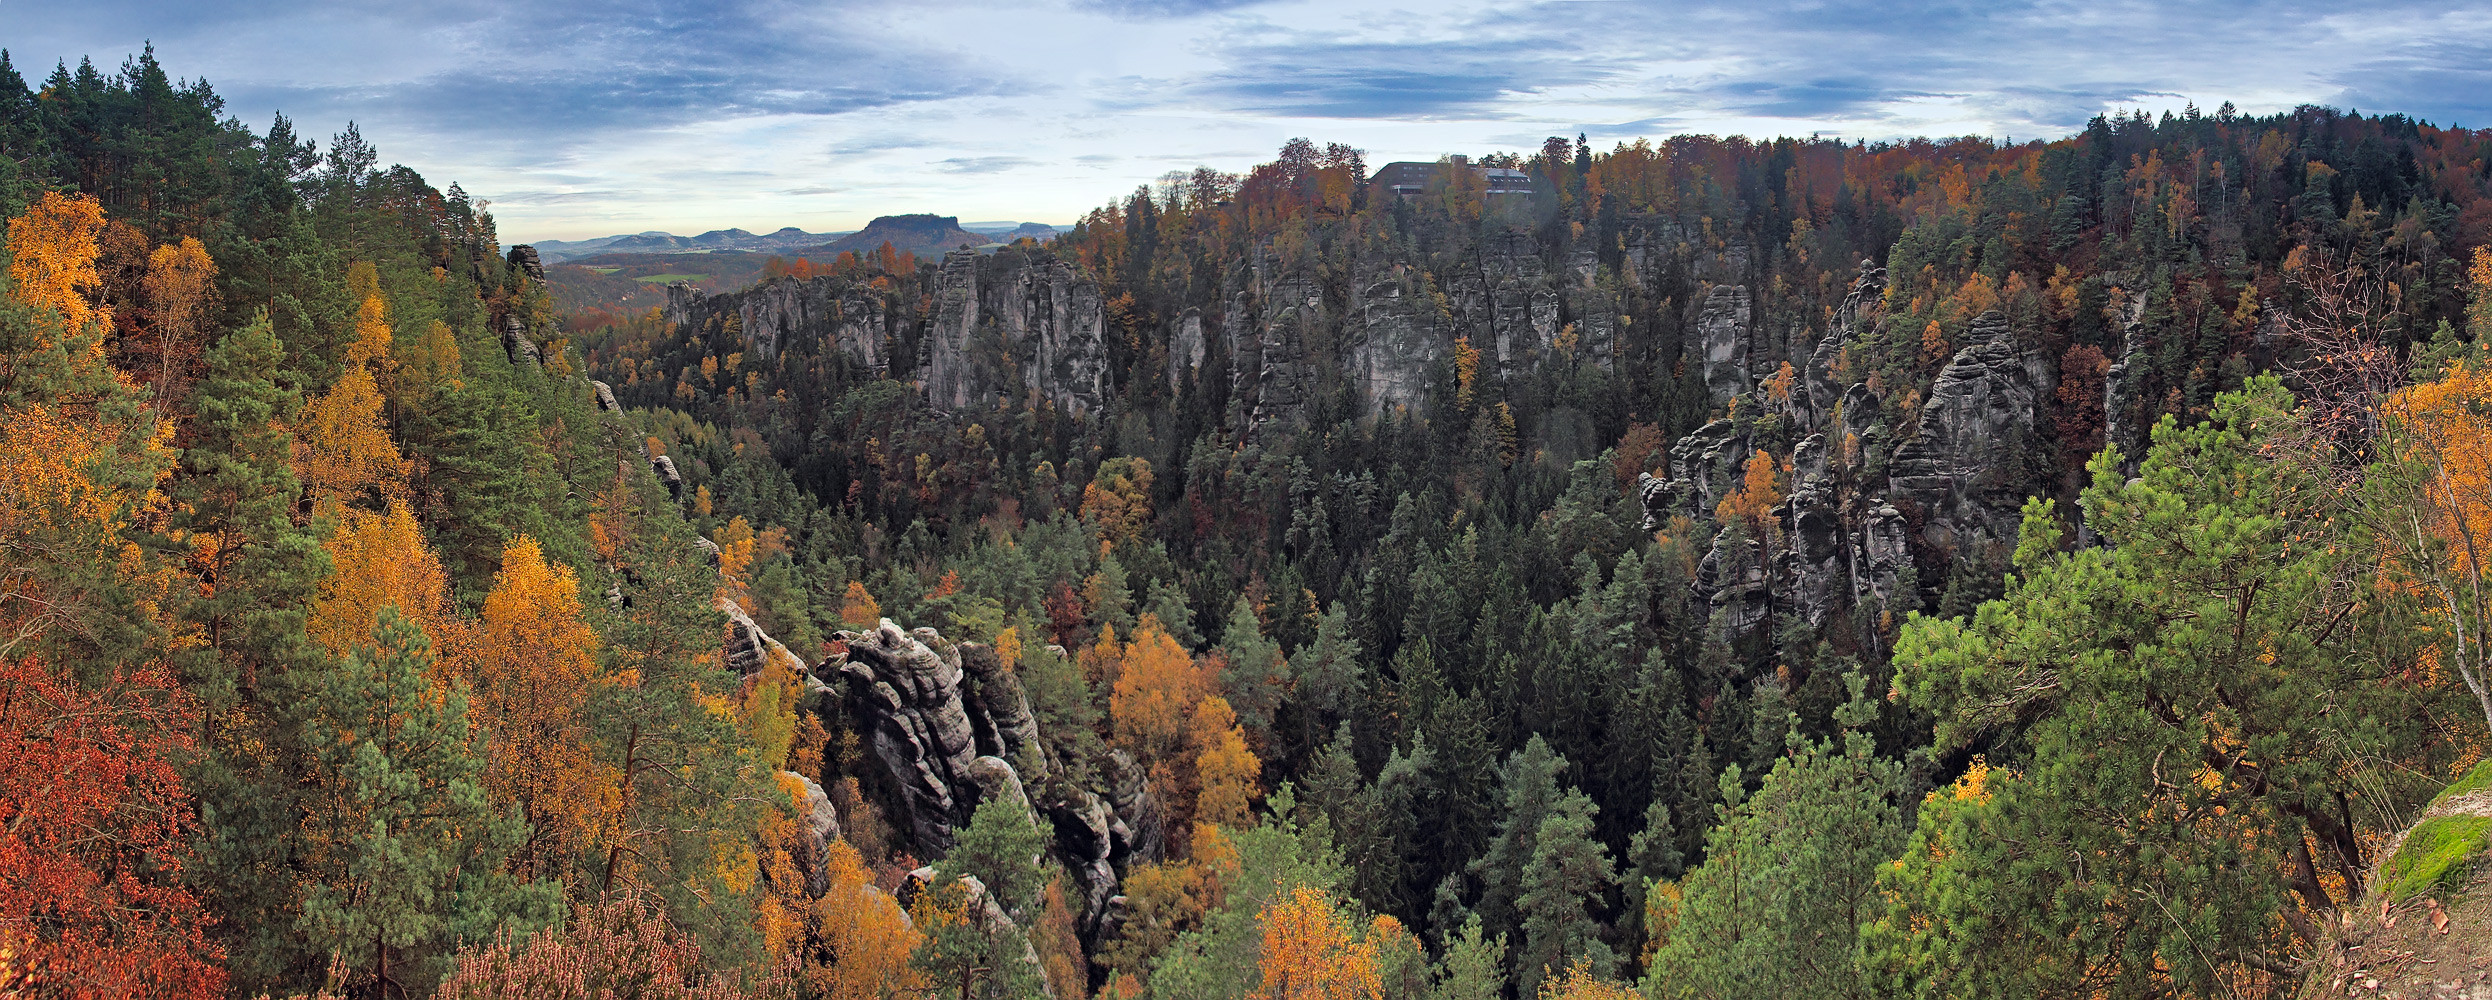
pixel 664 278
pixel 605 270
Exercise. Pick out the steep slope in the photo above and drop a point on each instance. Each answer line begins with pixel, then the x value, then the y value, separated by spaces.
pixel 2424 931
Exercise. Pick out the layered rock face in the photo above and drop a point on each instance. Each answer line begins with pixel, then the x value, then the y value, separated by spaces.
pixel 947 727
pixel 1523 310
pixel 1398 340
pixel 1845 539
pixel 1722 328
pixel 847 316
pixel 1964 464
pixel 1034 313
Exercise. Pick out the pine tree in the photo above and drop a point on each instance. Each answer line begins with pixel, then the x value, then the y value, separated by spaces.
pixel 404 854
pixel 1000 848
pixel 260 571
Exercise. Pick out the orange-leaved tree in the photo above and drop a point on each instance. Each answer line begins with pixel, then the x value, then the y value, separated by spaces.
pixel 83 460
pixel 864 938
pixel 1225 770
pixel 1311 953
pixel 857 609
pixel 52 253
pixel 2436 504
pixel 1151 709
pixel 378 561
pixel 95 828
pixel 532 665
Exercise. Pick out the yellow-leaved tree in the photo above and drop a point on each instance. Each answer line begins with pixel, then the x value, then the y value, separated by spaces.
pixel 1310 952
pixel 52 253
pixel 342 450
pixel 531 667
pixel 1224 769
pixel 379 561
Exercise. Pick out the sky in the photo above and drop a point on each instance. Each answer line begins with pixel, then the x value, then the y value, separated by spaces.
pixel 579 120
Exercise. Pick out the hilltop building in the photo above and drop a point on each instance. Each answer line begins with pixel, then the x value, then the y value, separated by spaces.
pixel 1409 177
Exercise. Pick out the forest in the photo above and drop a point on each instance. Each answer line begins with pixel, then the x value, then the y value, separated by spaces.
pixel 1730 568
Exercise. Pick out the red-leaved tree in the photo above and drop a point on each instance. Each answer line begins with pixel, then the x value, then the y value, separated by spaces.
pixel 94 827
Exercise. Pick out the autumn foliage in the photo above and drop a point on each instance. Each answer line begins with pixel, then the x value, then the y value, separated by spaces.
pixel 94 832
pixel 531 668
pixel 1310 952
pixel 52 256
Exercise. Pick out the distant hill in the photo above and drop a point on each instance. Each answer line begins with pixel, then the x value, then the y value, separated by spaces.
pixel 923 235
pixel 787 240
pixel 1006 232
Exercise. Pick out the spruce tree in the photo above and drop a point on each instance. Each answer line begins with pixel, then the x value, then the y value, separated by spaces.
pixel 1530 782
pixel 1563 894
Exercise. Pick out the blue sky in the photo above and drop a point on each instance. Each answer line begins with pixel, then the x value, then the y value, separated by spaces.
pixel 580 120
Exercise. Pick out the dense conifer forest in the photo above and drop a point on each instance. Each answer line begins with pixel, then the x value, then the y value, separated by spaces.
pixel 1725 569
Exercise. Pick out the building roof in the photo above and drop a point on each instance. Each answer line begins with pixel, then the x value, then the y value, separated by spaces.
pixel 1409 177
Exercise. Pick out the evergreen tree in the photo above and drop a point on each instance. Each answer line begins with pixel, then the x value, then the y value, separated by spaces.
pixel 1563 893
pixel 1000 848
pixel 404 856
pixel 1790 875
pixel 260 571
pixel 1256 675
pixel 1530 783
pixel 1473 967
pixel 1331 680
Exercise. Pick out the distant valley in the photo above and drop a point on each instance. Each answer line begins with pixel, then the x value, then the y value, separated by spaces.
pixel 623 274
pixel 792 240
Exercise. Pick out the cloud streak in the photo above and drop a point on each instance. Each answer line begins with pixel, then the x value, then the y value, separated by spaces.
pixel 692 116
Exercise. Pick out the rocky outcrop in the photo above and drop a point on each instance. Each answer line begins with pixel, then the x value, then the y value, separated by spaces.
pixel 1722 328
pixel 904 688
pixel 1965 463
pixel 1396 342
pixel 1012 312
pixel 1273 374
pixel 846 316
pixel 821 826
pixel 1523 310
pixel 748 649
pixel 948 726
pixel 1185 347
pixel 664 467
pixel 523 259
pixel 605 397
pixel 516 342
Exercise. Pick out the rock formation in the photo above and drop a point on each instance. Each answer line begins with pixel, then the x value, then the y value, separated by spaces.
pixel 516 342
pixel 1965 465
pixel 1014 311
pixel 947 726
pixel 524 260
pixel 1722 328
pixel 844 314
pixel 1395 345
